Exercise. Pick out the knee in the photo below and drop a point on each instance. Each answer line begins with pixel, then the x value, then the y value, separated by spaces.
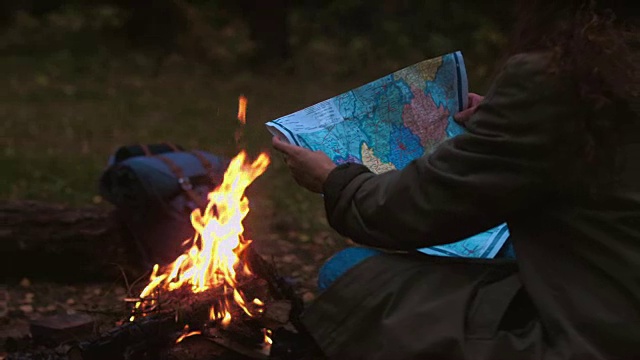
pixel 341 262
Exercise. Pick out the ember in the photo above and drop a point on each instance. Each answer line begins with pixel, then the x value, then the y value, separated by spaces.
pixel 242 109
pixel 186 333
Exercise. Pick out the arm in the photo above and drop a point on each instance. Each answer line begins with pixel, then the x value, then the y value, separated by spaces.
pixel 505 165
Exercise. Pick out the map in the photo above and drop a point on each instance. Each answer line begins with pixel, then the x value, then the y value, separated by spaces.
pixel 388 123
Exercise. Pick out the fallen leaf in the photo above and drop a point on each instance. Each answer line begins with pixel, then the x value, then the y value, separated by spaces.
pixel 308 297
pixel 27 309
pixel 28 298
pixel 304 238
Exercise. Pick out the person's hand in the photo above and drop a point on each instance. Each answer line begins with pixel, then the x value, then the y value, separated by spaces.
pixel 463 116
pixel 310 169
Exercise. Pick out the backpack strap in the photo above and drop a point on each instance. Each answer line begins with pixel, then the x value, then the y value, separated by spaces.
pixel 184 181
pixel 145 149
pixel 206 164
pixel 172 146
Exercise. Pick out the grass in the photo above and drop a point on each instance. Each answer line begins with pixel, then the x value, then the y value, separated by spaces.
pixel 63 115
pixel 69 100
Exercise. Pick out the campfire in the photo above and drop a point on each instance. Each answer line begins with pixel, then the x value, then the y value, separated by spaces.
pixel 218 289
pixel 214 260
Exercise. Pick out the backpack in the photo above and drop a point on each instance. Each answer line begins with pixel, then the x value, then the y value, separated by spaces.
pixel 154 189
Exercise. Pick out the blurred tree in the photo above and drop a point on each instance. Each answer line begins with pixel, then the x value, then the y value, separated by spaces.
pixel 37 8
pixel 268 23
pixel 162 27
pixel 154 25
pixel 360 32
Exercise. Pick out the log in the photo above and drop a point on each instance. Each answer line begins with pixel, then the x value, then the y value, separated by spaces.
pixel 153 333
pixel 158 332
pixel 61 243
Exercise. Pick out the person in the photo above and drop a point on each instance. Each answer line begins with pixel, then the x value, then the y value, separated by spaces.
pixel 554 150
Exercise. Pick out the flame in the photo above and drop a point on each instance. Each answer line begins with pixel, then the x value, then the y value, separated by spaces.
pixel 267 336
pixel 213 260
pixel 186 333
pixel 242 109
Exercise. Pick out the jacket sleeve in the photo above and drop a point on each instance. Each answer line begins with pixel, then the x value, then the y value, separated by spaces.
pixel 507 163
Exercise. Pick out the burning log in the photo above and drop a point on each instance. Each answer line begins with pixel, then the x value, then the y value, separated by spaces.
pixel 133 340
pixel 158 331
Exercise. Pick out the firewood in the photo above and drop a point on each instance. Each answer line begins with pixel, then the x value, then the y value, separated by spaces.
pixel 159 330
pixel 151 333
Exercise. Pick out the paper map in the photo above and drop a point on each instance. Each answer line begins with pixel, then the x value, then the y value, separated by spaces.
pixel 389 122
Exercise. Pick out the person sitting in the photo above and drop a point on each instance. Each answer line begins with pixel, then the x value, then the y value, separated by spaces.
pixel 554 150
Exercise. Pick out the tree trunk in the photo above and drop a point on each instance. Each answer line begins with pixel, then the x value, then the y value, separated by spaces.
pixel 55 242
pixel 269 29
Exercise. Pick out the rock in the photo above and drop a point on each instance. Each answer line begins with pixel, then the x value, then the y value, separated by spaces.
pixel 61 328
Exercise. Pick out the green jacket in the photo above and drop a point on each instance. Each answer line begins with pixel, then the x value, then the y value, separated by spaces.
pixel 574 290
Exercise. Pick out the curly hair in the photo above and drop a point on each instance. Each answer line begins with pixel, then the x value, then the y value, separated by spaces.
pixel 596 44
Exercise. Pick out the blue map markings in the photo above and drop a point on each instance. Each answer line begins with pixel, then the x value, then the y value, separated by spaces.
pixel 405 146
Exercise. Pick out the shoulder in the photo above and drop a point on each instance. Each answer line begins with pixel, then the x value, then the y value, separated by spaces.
pixel 533 75
pixel 533 63
pixel 530 60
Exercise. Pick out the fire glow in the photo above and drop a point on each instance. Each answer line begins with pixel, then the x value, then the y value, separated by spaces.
pixel 214 259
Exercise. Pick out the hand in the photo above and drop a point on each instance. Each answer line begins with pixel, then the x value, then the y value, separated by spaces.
pixel 310 169
pixel 463 116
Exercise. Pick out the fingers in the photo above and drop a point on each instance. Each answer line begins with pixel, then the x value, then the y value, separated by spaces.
pixel 284 147
pixel 475 99
pixel 464 115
